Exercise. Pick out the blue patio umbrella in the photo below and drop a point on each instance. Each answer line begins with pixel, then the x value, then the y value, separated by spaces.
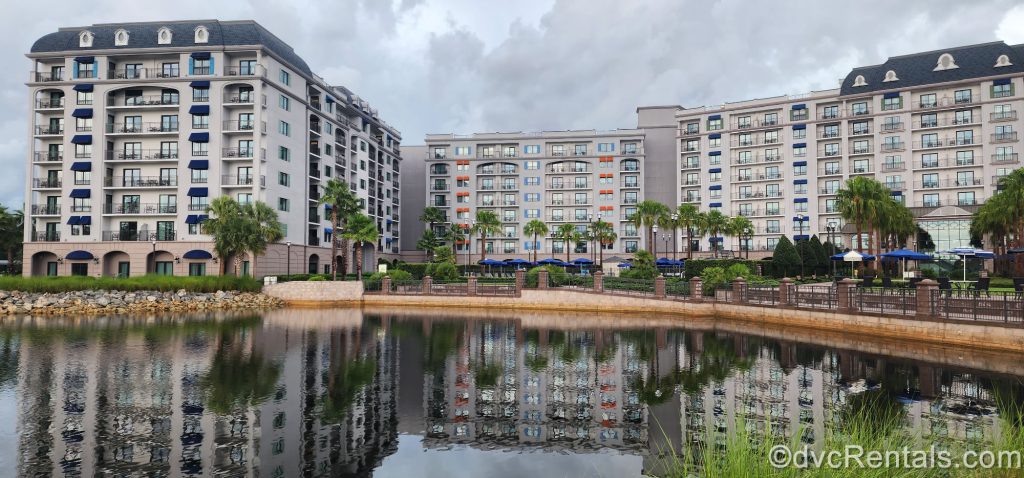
pixel 551 261
pixel 904 255
pixel 582 261
pixel 625 265
pixel 490 262
pixel 518 262
pixel 965 252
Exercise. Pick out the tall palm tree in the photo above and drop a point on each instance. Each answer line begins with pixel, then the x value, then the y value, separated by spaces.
pixel 487 224
pixel 566 233
pixel 687 218
pixel 229 229
pixel 455 233
pixel 431 215
pixel 360 229
pixel 647 214
pixel 603 233
pixel 993 220
pixel 12 230
pixel 535 228
pixel 268 229
pixel 343 203
pixel 862 201
pixel 896 224
pixel 714 223
pixel 741 227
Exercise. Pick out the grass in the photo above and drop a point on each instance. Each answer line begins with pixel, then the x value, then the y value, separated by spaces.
pixel 149 282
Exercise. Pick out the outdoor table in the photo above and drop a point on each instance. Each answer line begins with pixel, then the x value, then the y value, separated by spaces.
pixel 962 284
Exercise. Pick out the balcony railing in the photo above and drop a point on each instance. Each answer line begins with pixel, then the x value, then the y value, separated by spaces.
pixel 235 125
pixel 47 236
pixel 235 180
pixel 141 236
pixel 45 156
pixel 948 183
pixel 255 70
pixel 1004 158
pixel 1004 137
pixel 889 147
pixel 47 104
pixel 1004 115
pixel 142 128
pixel 43 130
pixel 237 152
pixel 892 127
pixel 42 77
pixel 144 100
pixel 141 154
pixel 140 208
pixel 41 183
pixel 141 182
pixel 46 209
pixel 893 166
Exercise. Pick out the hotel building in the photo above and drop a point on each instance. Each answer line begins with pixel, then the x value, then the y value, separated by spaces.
pixel 937 128
pixel 136 127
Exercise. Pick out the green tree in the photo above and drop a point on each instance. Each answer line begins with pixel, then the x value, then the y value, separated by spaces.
pixel 487 224
pixel 820 256
pixel 603 233
pixel 714 223
pixel 643 266
pixel 807 258
pixel 785 260
pixel 741 228
pixel 646 216
pixel 267 229
pixel 566 233
pixel 535 228
pixel 360 229
pixel 443 254
pixel 12 230
pixel 229 228
pixel 343 203
pixel 456 233
pixel 667 224
pixel 688 217
pixel 861 202
pixel 428 242
pixel 431 216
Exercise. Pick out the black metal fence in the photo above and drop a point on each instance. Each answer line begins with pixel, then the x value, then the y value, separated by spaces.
pixel 496 288
pixel 621 285
pixel 814 297
pixel 760 294
pixel 677 289
pixel 449 288
pixel 407 287
pixel 1006 307
pixel 887 301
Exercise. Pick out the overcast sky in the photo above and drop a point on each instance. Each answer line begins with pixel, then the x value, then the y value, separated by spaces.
pixel 436 66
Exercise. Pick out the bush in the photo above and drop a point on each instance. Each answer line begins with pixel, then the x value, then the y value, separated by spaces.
pixel 713 278
pixel 738 270
pixel 373 281
pixel 444 271
pixel 443 254
pixel 694 267
pixel 643 267
pixel 317 277
pixel 148 282
pixel 556 275
pixel 785 259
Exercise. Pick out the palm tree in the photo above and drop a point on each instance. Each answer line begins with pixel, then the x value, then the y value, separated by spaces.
pixel 687 217
pixel 862 202
pixel 714 223
pixel 741 227
pixel 360 229
pixel 487 224
pixel 229 230
pixel 343 203
pixel 428 242
pixel 268 229
pixel 896 224
pixel 993 219
pixel 603 233
pixel 12 229
pixel 431 215
pixel 455 233
pixel 535 228
pixel 647 214
pixel 566 233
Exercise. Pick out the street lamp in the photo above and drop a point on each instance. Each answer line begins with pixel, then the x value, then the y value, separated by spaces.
pixel 675 236
pixel 654 240
pixel 831 229
pixel 289 266
pixel 593 237
pixel 154 254
pixel 469 243
pixel 800 232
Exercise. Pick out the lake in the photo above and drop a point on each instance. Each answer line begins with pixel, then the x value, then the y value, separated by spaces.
pixel 439 393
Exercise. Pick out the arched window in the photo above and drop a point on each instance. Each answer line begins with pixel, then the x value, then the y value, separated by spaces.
pixel 1003 60
pixel 202 34
pixel 164 36
pixel 121 38
pixel 314 263
pixel 85 39
pixel 859 81
pixel 891 76
pixel 946 62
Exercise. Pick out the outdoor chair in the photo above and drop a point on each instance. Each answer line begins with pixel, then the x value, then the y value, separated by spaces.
pixel 1018 284
pixel 982 286
pixel 913 282
pixel 887 282
pixel 866 283
pixel 944 284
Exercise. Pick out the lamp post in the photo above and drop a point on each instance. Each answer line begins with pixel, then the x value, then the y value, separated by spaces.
pixel 593 237
pixel 469 244
pixel 831 229
pixel 800 232
pixel 654 240
pixel 289 266
pixel 154 255
pixel 675 236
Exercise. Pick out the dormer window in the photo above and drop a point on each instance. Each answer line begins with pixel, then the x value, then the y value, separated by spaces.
pixel 121 38
pixel 890 76
pixel 1003 60
pixel 945 62
pixel 859 81
pixel 85 39
pixel 202 34
pixel 164 36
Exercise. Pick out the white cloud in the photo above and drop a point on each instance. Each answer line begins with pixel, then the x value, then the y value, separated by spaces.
pixel 1011 28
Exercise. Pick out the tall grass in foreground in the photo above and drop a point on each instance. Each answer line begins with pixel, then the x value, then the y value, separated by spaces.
pixel 148 282
pixel 872 426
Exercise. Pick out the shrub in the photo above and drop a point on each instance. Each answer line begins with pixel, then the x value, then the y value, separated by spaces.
pixel 713 278
pixel 317 277
pixel 643 266
pixel 556 275
pixel 444 271
pixel 694 267
pixel 443 254
pixel 148 282
pixel 373 281
pixel 785 259
pixel 738 270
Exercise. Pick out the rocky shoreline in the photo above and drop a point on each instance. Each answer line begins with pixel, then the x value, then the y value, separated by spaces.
pixel 92 302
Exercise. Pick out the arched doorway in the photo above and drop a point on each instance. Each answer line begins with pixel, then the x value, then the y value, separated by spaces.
pixel 160 263
pixel 314 264
pixel 45 263
pixel 116 264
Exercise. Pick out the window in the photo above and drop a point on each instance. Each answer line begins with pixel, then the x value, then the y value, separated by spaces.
pixel 282 204
pixel 860 108
pixel 930 180
pixel 964 158
pixel 965 198
pixel 285 78
pixel 771 137
pixel 715 176
pixel 830 112
pixel 461 151
pixel 1004 133
pixel 531 149
pixel 692 162
pixel 1002 91
pixel 800 170
pixel 714 124
pixel 743 122
pixel 962 96
pixel 964 137
pixel 199 176
pixel 799 150
pixel 800 133
pixel 531 165
pixel 284 102
pixel 605 147
pixel 798 114
pixel 832 149
pixel 746 139
pixel 860 127
pixel 715 142
pixel 200 149
pixel 889 104
pixel 198 122
pixel 929 100
pixel 771 119
pixel 283 179
pixel 284 128
pixel 693 127
pixel 84 98
pixel 930 200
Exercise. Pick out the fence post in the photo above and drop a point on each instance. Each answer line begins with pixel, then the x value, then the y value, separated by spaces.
pixel 542 279
pixel 599 281
pixel 924 297
pixel 843 290
pixel 427 281
pixel 739 286
pixel 471 285
pixel 696 288
pixel 520 281
pixel 786 291
pixel 659 287
pixel 385 285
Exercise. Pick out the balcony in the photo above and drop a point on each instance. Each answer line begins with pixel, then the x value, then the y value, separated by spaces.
pixel 629 168
pixel 831 171
pixel 634 184
pixel 889 147
pixel 828 153
pixel 947 163
pixel 822 134
pixel 46 209
pixel 235 180
pixel 440 187
pixel 237 153
pixel 46 183
pixel 948 183
pixel 1004 158
pixel 892 127
pixel 44 77
pixel 142 155
pixel 861 150
pixel 1004 116
pixel 1004 137
pixel 141 208
pixel 139 236
pixel 253 70
pixel 48 236
pixel 50 104
pixel 895 185
pixel 828 190
pixel 688 131
pixel 143 100
pixel 860 131
pixel 691 148
pixel 49 130
pixel 894 166
pixel 510 186
pixel 141 182
pixel 862 169
pixel 235 125
pixel 44 156
pixel 141 128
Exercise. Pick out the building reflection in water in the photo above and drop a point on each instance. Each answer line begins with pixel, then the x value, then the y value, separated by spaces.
pixel 314 392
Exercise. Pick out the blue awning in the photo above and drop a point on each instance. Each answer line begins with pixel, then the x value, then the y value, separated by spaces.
pixel 1004 81
pixel 716 239
pixel 799 145
pixel 799 126
pixel 83 87
pixel 327 207
pixel 799 181
pixel 714 136
pixel 715 153
pixel 799 106
pixel 801 219
pixel 202 217
pixel 199 110
pixel 897 193
pixel 330 99
pixel 201 55
pixel 81 166
pixel 199 164
pixel 79 255
pixel 198 192
pixel 81 193
pixel 891 95
pixel 85 59
pixel 328 229
pixel 716 187
pixel 801 237
pixel 200 84
pixel 82 139
pixel 799 163
pixel 199 137
pixel 797 200
pixel 85 220
pixel 197 254
pixel 192 219
pixel 715 170
pixel 82 113
pixel 715 204
pixel 74 220
pixel 715 117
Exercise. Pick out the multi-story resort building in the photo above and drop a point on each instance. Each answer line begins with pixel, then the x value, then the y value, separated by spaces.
pixel 565 177
pixel 136 127
pixel 937 128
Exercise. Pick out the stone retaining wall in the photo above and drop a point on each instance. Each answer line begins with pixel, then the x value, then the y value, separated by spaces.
pixel 91 302
pixel 316 293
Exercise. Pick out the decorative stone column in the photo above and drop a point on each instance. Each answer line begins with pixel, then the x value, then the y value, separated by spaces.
pixel 427 281
pixel 385 285
pixel 786 291
pixel 520 281
pixel 924 297
pixel 696 288
pixel 599 281
pixel 739 287
pixel 471 285
pixel 843 291
pixel 542 279
pixel 659 287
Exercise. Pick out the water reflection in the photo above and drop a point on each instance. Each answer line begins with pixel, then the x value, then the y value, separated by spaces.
pixel 315 392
